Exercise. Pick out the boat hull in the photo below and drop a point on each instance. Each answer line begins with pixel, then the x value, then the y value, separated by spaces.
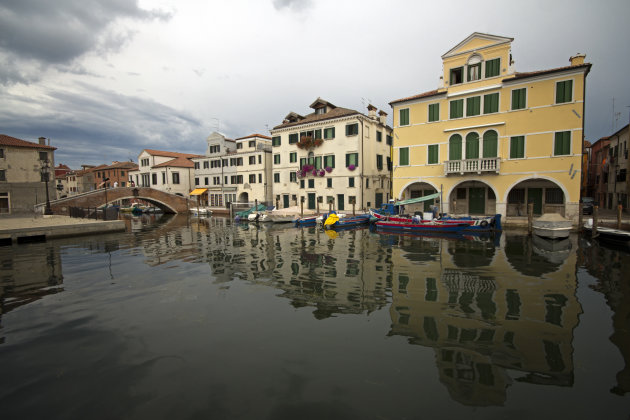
pixel 420 227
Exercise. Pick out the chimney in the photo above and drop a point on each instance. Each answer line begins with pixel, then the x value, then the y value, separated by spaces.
pixel 371 111
pixel 382 117
pixel 42 141
pixel 577 59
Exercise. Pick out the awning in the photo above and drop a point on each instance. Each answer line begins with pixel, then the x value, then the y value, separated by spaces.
pixel 198 191
pixel 417 200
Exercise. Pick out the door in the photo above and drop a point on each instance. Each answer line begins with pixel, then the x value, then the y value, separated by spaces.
pixel 285 200
pixel 534 195
pixel 477 200
pixel 311 201
pixel 428 203
pixel 378 200
pixel 340 202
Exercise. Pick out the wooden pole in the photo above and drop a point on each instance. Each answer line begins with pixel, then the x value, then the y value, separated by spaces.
pixel 317 201
pixel 580 218
pixel 595 217
pixel 302 209
pixel 353 209
pixel 530 217
pixel 619 216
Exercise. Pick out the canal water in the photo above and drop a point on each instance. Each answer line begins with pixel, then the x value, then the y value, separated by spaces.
pixel 185 318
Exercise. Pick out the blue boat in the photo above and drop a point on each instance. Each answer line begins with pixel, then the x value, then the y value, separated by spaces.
pixel 306 221
pixel 334 222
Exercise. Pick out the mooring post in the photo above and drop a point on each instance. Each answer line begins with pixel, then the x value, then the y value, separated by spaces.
pixel 619 216
pixel 302 209
pixel 530 217
pixel 353 205
pixel 595 217
pixel 580 218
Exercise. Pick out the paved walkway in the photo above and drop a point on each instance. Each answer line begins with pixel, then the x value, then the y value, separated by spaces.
pixel 14 228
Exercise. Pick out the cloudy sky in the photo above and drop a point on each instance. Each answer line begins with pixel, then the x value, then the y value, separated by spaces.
pixel 104 79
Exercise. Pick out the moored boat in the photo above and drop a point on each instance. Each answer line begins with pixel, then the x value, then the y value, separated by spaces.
pixel 608 235
pixel 335 222
pixel 420 227
pixel 552 226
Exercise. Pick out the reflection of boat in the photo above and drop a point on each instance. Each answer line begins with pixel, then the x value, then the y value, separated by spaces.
pixel 200 211
pixel 273 216
pixel 474 224
pixel 553 250
pixel 609 235
pixel 134 208
pixel 421 227
pixel 552 226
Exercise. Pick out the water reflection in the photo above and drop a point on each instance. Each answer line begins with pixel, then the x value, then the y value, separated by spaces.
pixel 493 309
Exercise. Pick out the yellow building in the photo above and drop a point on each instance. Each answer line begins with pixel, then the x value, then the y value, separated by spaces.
pixel 490 138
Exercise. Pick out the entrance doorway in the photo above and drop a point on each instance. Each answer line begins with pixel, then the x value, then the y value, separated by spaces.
pixel 477 200
pixel 311 201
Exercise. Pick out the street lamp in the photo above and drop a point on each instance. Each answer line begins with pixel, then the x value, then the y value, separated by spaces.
pixel 45 173
pixel 105 208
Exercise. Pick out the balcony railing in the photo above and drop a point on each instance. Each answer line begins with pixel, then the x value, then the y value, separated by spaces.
pixel 466 166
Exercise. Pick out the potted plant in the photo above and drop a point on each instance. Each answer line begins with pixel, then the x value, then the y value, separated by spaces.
pixel 351 167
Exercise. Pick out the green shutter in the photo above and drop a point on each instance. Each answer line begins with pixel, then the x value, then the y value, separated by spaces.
pixel 518 98
pixel 455 147
pixel 434 112
pixel 433 153
pixel 403 156
pixel 404 117
pixel 472 146
pixel 562 143
pixel 492 67
pixel 457 108
pixel 473 106
pixel 517 147
pixel 564 91
pixel 491 103
pixel 318 162
pixel 490 144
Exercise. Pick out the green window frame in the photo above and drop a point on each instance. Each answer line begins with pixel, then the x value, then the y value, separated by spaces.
pixel 457 108
pixel 379 136
pixel 318 162
pixel 473 106
pixel 379 162
pixel 474 72
pixel 491 103
pixel 517 147
pixel 472 146
pixel 352 159
pixel 562 143
pixel 351 182
pixel 433 155
pixel 456 76
pixel 329 160
pixel 493 67
pixel 434 112
pixel 564 91
pixel 490 144
pixel 403 156
pixel 519 98
pixel 352 129
pixel 301 183
pixel 292 177
pixel 329 133
pixel 275 141
pixel 455 147
pixel 328 182
pixel 293 138
pixel 276 178
pixel 318 134
pixel 292 157
pixel 303 162
pixel 311 183
pixel 404 117
pixel 276 159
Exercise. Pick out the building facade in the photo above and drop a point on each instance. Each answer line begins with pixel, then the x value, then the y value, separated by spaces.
pixel 26 174
pixel 332 157
pixel 493 139
pixel 234 171
pixel 170 172
pixel 617 170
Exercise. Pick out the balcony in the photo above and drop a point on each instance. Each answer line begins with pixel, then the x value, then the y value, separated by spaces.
pixel 468 166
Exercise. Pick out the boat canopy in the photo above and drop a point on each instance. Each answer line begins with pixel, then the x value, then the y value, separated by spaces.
pixel 245 213
pixel 418 200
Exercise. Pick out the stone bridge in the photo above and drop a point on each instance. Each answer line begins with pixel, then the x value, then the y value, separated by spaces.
pixel 169 203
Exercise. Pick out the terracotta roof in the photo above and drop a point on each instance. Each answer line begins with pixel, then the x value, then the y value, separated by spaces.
pixel 311 118
pixel 254 135
pixel 170 154
pixel 524 75
pixel 12 141
pixel 180 162
pixel 122 165
pixel 419 96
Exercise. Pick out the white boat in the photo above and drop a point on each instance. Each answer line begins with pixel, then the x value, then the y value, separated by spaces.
pixel 552 226
pixel 609 235
pixel 273 216
pixel 200 211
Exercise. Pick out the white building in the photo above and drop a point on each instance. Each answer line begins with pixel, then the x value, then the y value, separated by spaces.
pixel 332 155
pixel 170 172
pixel 234 170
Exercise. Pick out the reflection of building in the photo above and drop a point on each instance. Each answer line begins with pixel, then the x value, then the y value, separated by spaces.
pixel 492 138
pixel 484 319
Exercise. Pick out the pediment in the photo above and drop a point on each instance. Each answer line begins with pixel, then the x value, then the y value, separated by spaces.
pixel 477 41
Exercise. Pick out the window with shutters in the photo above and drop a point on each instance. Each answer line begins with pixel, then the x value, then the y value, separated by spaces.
pixel 276 159
pixel 351 182
pixel 564 91
pixel 352 129
pixel 379 162
pixel 490 144
pixel 434 112
pixel 457 76
pixel 275 141
pixel 455 147
pixel 519 98
pixel 293 157
pixel 493 67
pixel 404 117
pixel 517 147
pixel 293 138
pixel 562 143
pixel 276 178
pixel 457 108
pixel 473 106
pixel 491 103
pixel 472 146
pixel 403 156
pixel 433 154
pixel 352 159
pixel 329 161
pixel 329 133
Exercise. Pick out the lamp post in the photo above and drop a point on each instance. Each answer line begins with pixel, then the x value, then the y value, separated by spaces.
pixel 45 173
pixel 105 208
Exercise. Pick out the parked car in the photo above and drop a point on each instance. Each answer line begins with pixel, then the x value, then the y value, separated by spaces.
pixel 587 205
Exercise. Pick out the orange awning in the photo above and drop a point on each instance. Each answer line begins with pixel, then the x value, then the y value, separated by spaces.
pixel 198 191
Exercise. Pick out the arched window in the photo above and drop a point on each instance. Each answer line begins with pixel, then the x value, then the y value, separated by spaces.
pixel 311 158
pixel 472 146
pixel 490 140
pixel 455 147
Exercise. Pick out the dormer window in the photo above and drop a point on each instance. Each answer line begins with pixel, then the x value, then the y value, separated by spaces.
pixel 320 111
pixel 474 68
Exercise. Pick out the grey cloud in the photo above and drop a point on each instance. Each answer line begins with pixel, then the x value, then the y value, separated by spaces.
pixel 294 5
pixel 93 125
pixel 57 32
